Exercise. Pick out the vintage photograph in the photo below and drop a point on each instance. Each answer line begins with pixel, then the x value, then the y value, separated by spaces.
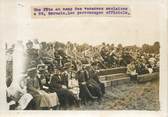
pixel 76 76
pixel 84 63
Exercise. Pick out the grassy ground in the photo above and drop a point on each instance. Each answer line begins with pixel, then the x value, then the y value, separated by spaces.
pixel 131 96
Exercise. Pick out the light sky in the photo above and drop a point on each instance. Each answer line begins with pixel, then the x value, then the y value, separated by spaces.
pixel 142 27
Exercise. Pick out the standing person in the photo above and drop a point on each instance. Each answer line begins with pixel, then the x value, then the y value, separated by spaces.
pixel 36 44
pixel 31 55
pixel 43 53
pixel 50 50
pixel 58 58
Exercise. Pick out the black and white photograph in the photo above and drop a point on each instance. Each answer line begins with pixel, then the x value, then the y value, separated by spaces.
pixel 82 77
pixel 84 57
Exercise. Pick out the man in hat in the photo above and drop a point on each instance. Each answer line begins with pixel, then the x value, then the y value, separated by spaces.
pixel 65 76
pixel 58 58
pixel 31 55
pixel 43 75
pixel 43 51
pixel 33 88
pixel 126 58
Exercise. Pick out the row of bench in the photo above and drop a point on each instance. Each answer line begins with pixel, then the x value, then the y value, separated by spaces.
pixel 116 76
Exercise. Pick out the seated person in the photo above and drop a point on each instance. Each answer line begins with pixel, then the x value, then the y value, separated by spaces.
pixel 131 71
pixel 66 97
pixel 17 95
pixel 92 84
pixel 141 68
pixel 41 99
pixel 84 92
pixel 49 100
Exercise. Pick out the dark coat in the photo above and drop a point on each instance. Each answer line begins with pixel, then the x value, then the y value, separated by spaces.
pixel 65 96
pixel 55 83
pixel 32 87
pixel 84 92
pixel 93 85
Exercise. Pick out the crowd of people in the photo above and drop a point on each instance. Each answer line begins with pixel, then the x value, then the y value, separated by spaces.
pixel 57 75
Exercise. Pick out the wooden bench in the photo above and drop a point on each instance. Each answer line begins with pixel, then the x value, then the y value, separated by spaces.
pixel 125 79
pixel 102 72
pixel 112 76
pixel 148 77
pixel 115 82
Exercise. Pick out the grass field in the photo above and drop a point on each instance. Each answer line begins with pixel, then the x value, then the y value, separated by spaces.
pixel 130 96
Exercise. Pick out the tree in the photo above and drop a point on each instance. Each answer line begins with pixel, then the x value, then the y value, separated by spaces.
pixel 156 47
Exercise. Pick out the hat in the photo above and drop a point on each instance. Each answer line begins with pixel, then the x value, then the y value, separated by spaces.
pixel 31 71
pixel 44 45
pixel 29 42
pixel 41 67
pixel 86 66
pixel 67 65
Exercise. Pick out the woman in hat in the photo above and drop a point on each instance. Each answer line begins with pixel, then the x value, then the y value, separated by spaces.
pixel 66 97
pixel 84 92
pixel 93 85
pixel 48 100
